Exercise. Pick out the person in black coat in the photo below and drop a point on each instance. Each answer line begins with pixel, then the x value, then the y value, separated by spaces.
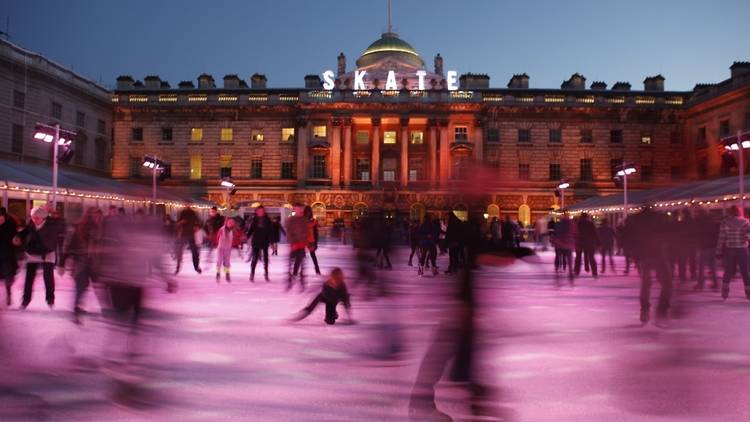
pixel 277 231
pixel 185 235
pixel 333 291
pixel 262 232
pixel 8 252
pixel 39 240
pixel 586 244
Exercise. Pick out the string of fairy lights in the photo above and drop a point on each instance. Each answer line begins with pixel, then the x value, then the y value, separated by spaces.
pixel 663 204
pixel 86 195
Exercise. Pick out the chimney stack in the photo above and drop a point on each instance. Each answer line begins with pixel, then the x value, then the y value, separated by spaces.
pixel 739 69
pixel 599 86
pixel 258 81
pixel 313 82
pixel 125 82
pixel 621 86
pixel 520 81
pixel 438 65
pixel 576 81
pixel 206 81
pixel 152 82
pixel 341 61
pixel 231 81
pixel 653 83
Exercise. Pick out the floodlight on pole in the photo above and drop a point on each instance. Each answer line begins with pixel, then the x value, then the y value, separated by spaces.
pixel 52 134
pixel 624 170
pixel 560 191
pixel 733 143
pixel 157 166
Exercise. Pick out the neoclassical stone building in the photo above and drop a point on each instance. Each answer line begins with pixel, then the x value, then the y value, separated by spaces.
pixel 399 138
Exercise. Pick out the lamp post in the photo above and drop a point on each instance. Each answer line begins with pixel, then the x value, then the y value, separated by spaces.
pixel 52 134
pixel 738 143
pixel 564 184
pixel 157 166
pixel 623 171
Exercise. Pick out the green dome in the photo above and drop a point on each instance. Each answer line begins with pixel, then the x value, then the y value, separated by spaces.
pixel 390 44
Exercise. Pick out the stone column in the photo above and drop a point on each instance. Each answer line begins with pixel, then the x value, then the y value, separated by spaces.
pixel 432 139
pixel 336 153
pixel 375 159
pixel 445 165
pixel 479 141
pixel 347 128
pixel 404 167
pixel 301 129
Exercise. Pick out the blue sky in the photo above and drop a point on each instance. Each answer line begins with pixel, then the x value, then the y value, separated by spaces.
pixel 687 41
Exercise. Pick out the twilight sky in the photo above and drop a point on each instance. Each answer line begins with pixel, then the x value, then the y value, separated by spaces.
pixel 687 41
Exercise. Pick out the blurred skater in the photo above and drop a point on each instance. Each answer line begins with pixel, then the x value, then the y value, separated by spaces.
pixel 333 291
pixel 261 234
pixel 224 244
pixel 297 233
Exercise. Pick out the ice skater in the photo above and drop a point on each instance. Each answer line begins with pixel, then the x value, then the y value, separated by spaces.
pixel 333 291
pixel 224 242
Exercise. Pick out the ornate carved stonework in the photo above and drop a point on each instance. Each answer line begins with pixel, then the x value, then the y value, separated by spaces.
pixel 509 201
pixel 538 202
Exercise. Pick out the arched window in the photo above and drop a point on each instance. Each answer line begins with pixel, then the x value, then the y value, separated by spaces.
pixel 493 211
pixel 461 211
pixel 417 211
pixel 524 215
pixel 319 212
pixel 359 210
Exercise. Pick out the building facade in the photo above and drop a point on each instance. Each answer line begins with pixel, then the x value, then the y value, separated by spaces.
pixel 400 138
pixel 34 89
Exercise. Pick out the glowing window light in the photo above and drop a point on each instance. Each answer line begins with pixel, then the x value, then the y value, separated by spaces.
pixel 616 100
pixel 257 97
pixel 138 98
pixel 361 93
pixel 462 95
pixel 288 97
pixel 645 100
pixel 586 100
pixel 197 98
pixel 492 98
pixel 417 93
pixel 320 94
pixel 525 99
pixel 390 93
pixel 168 98
pixel 115 98
pixel 227 98
pixel 674 101
pixel 554 99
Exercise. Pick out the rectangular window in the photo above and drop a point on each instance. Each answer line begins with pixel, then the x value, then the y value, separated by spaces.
pixel 287 134
pixel 587 136
pixel 80 119
pixel 615 136
pixel 319 167
pixel 363 169
pixel 555 172
pixel 225 166
pixel 524 136
pixel 362 137
pixel 19 99
pixel 416 137
pixel 256 169
pixel 647 173
pixel 723 128
pixel 227 134
pixel 80 150
pixel 700 140
pixel 136 166
pixel 461 134
pixel 101 126
pixel 17 139
pixel 676 173
pixel 389 137
pixel 555 136
pixel 136 134
pixel 196 134
pixel 645 138
pixel 100 150
pixel 493 134
pixel 56 111
pixel 166 134
pixel 196 166
pixel 287 170
pixel 319 131
pixel 416 169
pixel 587 170
pixel 524 172
pixel 256 135
pixel 389 170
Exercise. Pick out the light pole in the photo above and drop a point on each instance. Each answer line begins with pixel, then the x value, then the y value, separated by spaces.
pixel 738 143
pixel 561 191
pixel 623 171
pixel 157 166
pixel 52 134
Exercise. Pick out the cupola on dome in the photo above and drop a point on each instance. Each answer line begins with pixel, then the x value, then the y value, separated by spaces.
pixel 390 46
